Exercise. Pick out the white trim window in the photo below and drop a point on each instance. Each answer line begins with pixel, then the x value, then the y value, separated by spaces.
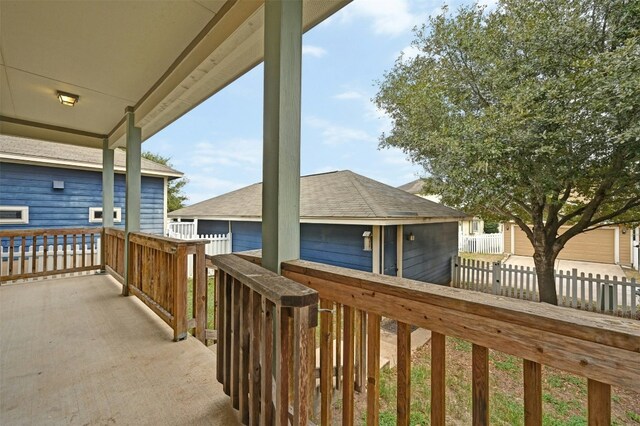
pixel 14 215
pixel 95 214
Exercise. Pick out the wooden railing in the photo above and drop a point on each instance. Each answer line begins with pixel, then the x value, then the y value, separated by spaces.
pixel 252 303
pixel 113 252
pixel 157 272
pixel 604 350
pixel 33 253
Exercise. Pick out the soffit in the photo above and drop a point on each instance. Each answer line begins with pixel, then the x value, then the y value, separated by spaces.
pixel 163 58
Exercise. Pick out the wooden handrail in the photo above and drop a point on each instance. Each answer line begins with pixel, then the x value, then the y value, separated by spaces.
pixel 37 232
pixel 602 349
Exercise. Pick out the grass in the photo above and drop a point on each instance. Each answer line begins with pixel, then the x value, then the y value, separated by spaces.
pixel 211 291
pixel 564 395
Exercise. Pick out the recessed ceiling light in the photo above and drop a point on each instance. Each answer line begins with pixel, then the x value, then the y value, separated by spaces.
pixel 68 99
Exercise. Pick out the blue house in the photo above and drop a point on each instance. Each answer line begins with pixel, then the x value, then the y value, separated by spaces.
pixel 346 220
pixel 50 185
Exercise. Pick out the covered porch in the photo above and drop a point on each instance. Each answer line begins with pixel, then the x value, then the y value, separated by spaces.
pixel 75 352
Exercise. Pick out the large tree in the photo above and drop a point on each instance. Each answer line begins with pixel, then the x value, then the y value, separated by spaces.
pixel 529 112
pixel 175 195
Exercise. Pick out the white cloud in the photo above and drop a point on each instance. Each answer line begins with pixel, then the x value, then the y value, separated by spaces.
pixel 315 51
pixel 334 134
pixel 387 17
pixel 232 152
pixel 349 94
pixel 408 53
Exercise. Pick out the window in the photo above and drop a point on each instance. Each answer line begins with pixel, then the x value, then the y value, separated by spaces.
pixel 14 214
pixel 95 214
pixel 474 226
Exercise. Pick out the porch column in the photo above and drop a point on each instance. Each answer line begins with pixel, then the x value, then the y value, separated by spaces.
pixel 107 184
pixel 281 149
pixel 133 189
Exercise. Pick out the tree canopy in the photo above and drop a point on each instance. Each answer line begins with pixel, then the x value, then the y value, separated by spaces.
pixel 175 188
pixel 529 112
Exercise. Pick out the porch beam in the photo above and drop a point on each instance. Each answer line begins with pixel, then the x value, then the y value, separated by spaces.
pixel 281 149
pixel 133 187
pixel 107 184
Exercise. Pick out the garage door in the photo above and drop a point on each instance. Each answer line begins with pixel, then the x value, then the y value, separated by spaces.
pixel 592 246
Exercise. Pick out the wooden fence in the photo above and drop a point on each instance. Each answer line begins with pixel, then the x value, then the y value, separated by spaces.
pixel 113 249
pixel 484 243
pixel 610 295
pixel 217 243
pixel 33 253
pixel 263 376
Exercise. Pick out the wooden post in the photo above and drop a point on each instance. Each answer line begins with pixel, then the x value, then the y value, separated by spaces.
pixel 255 305
pixel 326 361
pixel 200 292
pixel 245 345
pixel 404 373
pixel 281 151
pixel 283 358
pixel 179 295
pixel 373 369
pixel 438 387
pixel 220 324
pixel 532 372
pixel 236 304
pixel 133 188
pixel 266 365
pixel 480 384
pixel 599 403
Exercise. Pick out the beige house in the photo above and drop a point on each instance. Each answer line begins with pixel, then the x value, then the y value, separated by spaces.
pixel 611 244
pixel 469 226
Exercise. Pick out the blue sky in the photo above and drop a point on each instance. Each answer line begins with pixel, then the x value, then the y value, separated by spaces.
pixel 218 145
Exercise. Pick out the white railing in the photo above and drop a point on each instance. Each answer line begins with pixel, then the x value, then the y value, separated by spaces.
pixel 611 295
pixel 485 243
pixel 182 230
pixel 218 244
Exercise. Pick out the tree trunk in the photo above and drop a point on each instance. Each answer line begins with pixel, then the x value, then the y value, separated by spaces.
pixel 544 260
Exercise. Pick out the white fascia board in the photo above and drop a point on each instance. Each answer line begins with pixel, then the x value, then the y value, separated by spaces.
pixel 77 165
pixel 328 220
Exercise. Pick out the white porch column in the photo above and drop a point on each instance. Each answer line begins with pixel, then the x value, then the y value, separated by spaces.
pixel 132 203
pixel 107 185
pixel 281 149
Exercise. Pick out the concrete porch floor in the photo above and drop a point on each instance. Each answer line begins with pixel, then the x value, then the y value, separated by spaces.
pixel 73 351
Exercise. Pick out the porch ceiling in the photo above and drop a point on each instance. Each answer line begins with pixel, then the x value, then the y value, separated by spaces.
pixel 163 58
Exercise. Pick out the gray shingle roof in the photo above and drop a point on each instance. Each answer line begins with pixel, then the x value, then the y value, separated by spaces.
pixel 413 187
pixel 334 195
pixel 52 153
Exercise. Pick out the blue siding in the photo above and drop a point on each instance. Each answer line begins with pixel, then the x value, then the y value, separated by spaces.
pixel 338 245
pixel 208 227
pixel 28 185
pixel 246 236
pixel 428 258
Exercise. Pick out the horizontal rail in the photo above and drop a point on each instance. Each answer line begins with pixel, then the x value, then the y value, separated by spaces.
pixel 270 285
pixel 37 232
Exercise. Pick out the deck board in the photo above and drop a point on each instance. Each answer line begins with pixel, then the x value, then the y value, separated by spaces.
pixel 73 351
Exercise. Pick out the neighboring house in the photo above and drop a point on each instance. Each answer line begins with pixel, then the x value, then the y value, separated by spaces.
pixel 346 220
pixel 469 226
pixel 610 244
pixel 50 185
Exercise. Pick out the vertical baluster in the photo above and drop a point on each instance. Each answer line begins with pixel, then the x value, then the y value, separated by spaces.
pixel 245 330
pixel 438 389
pixel 358 350
pixel 64 252
pixel 326 362
pixel 235 345
pixel 228 283
pixel 84 250
pixel 23 255
pixel 532 372
pixel 283 359
pixel 348 370
pixel 373 369
pixel 74 251
pixel 301 373
pixel 55 252
pixel 254 391
pixel 338 357
pixel 480 384
pixel 45 253
pixel 266 379
pixel 92 242
pixel 11 243
pixel 599 403
pixel 201 290
pixel 404 373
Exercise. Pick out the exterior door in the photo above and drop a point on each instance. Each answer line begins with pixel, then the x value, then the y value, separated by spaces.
pixel 390 253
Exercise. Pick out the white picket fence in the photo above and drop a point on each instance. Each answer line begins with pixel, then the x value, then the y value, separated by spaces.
pixel 485 243
pixel 218 244
pixel 611 295
pixel 183 230
pixel 39 265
